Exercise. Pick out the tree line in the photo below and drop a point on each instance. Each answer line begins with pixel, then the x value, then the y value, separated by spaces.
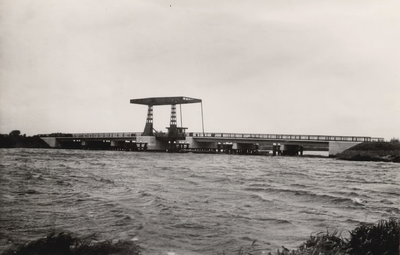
pixel 15 140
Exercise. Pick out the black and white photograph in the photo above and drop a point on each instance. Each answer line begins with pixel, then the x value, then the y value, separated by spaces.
pixel 187 127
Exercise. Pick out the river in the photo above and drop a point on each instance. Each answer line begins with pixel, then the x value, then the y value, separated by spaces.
pixel 189 203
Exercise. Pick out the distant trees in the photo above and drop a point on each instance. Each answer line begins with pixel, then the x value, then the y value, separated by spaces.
pixel 15 133
pixel 15 140
pixel 395 140
pixel 12 140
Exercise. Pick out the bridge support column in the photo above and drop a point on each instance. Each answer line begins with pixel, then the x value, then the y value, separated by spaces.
pixel 276 149
pixel 292 149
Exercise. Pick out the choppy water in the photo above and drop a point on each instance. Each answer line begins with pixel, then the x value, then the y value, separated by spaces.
pixel 189 203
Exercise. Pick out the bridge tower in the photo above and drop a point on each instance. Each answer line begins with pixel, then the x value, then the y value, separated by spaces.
pixel 173 128
pixel 148 128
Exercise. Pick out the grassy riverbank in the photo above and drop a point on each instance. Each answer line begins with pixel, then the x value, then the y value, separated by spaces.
pixel 378 239
pixel 373 151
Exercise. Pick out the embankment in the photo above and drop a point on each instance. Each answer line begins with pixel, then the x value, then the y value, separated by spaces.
pixel 373 151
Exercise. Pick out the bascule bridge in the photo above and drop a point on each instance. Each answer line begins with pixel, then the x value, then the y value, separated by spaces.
pixel 176 139
pixel 174 132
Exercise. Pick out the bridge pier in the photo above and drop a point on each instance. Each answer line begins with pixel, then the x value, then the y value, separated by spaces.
pixel 276 149
pixel 292 150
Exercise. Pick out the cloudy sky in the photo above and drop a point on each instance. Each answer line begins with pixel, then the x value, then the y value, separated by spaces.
pixel 271 67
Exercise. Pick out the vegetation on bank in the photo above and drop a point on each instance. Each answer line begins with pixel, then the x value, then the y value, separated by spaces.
pixel 16 140
pixel 374 239
pixel 379 239
pixel 67 244
pixel 373 151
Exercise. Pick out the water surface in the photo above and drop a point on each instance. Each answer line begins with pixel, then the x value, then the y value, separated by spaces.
pixel 189 203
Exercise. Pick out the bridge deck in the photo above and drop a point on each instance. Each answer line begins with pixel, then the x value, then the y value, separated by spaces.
pixel 215 136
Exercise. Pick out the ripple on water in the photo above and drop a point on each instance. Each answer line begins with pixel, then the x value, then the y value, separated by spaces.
pixel 189 203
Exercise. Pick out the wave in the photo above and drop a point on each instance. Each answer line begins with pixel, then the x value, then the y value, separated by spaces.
pixel 190 225
pixel 169 200
pixel 351 198
pixel 275 221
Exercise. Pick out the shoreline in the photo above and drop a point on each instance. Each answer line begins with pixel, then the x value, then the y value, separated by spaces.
pixel 380 238
pixel 373 151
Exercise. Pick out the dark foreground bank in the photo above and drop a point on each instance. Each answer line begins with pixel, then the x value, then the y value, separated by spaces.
pixel 373 151
pixel 381 238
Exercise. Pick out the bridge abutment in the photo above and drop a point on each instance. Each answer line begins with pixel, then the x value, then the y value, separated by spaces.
pixel 51 141
pixel 336 147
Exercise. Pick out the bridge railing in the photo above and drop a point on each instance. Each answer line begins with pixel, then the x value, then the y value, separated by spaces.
pixel 288 137
pixel 106 135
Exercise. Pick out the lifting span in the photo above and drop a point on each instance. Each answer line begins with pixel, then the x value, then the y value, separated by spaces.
pixel 165 100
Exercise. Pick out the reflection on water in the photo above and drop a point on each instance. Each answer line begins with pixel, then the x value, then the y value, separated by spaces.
pixel 189 203
pixel 316 153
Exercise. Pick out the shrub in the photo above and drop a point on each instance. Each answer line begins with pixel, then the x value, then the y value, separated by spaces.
pixel 66 244
pixel 382 238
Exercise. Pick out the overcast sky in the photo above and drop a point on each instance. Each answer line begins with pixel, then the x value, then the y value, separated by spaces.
pixel 270 67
